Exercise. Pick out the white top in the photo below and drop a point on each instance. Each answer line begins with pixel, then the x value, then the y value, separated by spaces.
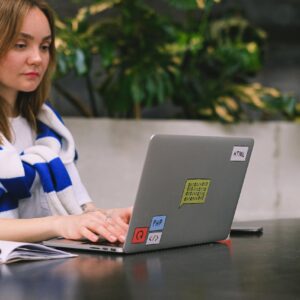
pixel 37 206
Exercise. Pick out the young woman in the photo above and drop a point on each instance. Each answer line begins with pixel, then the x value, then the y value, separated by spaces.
pixel 41 195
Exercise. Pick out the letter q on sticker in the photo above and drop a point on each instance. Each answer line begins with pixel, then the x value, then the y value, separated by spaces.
pixel 239 153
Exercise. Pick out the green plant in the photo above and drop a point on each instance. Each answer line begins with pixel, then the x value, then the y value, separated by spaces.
pixel 77 45
pixel 217 59
pixel 203 64
pixel 135 72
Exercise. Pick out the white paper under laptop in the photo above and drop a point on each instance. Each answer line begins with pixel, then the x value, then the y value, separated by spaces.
pixel 188 193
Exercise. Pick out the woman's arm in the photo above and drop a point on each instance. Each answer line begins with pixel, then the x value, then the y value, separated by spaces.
pixel 109 224
pixel 28 230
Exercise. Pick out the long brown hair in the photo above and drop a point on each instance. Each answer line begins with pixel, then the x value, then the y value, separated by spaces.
pixel 12 13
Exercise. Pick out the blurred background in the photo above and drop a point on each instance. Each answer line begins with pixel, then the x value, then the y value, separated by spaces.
pixel 226 61
pixel 130 68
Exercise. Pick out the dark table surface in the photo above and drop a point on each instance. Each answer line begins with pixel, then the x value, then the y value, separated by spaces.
pixel 250 267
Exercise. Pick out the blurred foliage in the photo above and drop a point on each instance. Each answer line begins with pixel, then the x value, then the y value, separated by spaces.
pixel 203 64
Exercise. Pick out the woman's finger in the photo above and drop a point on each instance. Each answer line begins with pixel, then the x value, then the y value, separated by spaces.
pixel 117 230
pixel 88 234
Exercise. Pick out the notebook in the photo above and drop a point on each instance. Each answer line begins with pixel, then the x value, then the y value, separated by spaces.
pixel 187 195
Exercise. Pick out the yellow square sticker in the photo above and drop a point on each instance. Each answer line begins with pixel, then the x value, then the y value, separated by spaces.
pixel 195 191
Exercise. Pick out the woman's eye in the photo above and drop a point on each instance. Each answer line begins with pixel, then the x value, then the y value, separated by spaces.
pixel 20 46
pixel 45 47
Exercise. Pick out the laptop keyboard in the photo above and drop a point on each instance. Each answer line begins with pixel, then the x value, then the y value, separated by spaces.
pixel 103 243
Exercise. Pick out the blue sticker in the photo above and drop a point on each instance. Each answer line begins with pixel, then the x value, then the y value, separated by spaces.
pixel 158 223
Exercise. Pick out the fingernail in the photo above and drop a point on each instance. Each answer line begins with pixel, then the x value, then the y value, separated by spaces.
pixel 122 238
pixel 113 238
pixel 95 239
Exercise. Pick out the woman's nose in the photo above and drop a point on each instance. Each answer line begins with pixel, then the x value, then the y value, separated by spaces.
pixel 35 56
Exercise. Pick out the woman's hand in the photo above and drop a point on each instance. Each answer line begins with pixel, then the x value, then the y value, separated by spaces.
pixel 111 224
pixel 119 216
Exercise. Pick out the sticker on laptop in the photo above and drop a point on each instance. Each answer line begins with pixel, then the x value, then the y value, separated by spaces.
pixel 158 223
pixel 139 235
pixel 195 191
pixel 154 238
pixel 239 153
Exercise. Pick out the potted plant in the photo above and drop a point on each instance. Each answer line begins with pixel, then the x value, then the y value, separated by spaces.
pixel 202 64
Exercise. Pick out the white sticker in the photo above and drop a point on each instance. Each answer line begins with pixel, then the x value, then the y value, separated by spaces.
pixel 239 153
pixel 154 238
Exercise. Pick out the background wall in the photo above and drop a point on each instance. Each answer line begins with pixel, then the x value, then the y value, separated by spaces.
pixel 111 157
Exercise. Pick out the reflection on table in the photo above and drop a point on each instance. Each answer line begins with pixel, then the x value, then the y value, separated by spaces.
pixel 250 267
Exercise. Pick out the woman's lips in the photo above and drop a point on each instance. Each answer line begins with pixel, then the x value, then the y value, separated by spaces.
pixel 32 74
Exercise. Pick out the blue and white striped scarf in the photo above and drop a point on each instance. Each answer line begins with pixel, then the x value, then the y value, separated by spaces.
pixel 53 148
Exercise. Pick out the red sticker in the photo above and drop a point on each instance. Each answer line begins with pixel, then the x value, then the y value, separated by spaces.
pixel 140 235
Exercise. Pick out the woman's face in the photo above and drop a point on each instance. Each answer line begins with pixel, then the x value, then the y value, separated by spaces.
pixel 24 65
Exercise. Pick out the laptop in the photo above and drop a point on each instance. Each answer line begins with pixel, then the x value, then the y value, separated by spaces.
pixel 187 195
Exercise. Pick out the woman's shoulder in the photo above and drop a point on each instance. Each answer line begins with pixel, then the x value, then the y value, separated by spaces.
pixel 48 108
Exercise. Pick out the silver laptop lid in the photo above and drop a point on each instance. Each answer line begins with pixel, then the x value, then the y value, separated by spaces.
pixel 188 192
